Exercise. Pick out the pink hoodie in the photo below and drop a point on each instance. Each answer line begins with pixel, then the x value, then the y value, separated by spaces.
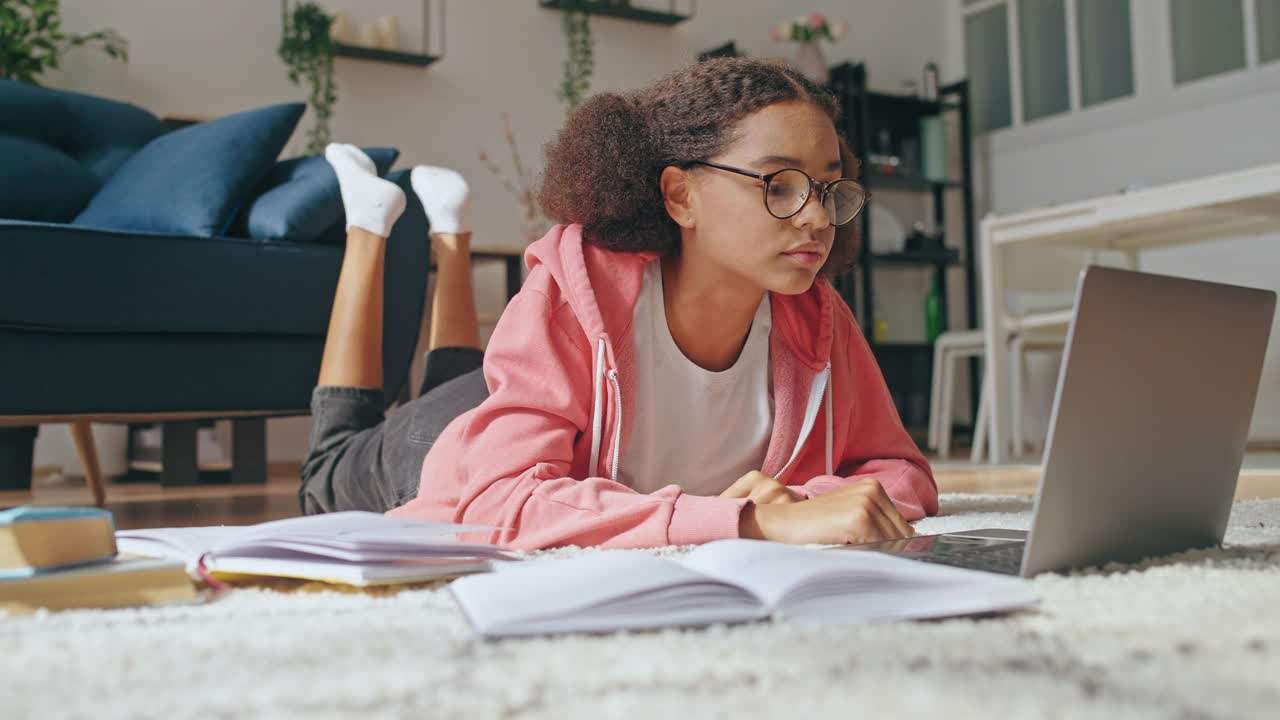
pixel 539 458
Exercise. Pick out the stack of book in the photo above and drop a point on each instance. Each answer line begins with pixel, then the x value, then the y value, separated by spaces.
pixel 60 558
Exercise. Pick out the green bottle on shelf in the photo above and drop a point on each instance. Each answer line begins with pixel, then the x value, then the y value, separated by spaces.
pixel 933 311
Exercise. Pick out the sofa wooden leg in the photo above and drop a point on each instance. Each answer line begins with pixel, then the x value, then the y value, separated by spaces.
pixel 82 434
pixel 178 462
pixel 249 451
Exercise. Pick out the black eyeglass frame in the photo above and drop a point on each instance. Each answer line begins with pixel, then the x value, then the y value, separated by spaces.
pixel 822 187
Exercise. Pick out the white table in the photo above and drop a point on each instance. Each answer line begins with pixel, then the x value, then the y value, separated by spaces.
pixel 1217 207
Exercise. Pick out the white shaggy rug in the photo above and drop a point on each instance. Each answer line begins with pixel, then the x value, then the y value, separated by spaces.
pixel 1196 636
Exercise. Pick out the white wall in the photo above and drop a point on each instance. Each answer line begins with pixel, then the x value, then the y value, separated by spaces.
pixel 1162 134
pixel 206 59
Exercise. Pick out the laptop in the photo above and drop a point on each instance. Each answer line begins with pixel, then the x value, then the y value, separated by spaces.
pixel 1149 426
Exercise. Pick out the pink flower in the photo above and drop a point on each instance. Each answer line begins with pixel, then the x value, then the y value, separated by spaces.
pixel 817 20
pixel 839 29
pixel 779 33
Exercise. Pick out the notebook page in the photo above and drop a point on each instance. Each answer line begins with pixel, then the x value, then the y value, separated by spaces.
pixel 354 526
pixel 359 552
pixel 855 585
pixel 916 602
pixel 322 552
pixel 358 575
pixel 767 569
pixel 186 544
pixel 355 537
pixel 602 591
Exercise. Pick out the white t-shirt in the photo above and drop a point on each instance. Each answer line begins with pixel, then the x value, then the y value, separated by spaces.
pixel 695 428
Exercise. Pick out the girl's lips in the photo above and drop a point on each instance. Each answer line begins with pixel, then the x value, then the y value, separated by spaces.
pixel 805 257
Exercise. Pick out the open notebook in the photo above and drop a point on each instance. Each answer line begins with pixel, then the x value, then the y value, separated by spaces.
pixel 725 582
pixel 351 548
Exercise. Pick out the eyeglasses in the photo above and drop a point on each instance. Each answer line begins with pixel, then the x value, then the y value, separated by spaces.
pixel 786 192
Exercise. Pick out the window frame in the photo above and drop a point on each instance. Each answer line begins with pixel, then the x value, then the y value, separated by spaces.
pixel 1154 91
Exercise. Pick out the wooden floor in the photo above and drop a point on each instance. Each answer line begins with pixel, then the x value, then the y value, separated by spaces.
pixel 139 505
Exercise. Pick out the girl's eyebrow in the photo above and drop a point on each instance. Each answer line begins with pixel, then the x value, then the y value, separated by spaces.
pixel 788 161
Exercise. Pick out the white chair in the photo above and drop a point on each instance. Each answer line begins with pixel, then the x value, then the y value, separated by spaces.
pixel 951 347
pixel 947 349
pixel 1023 343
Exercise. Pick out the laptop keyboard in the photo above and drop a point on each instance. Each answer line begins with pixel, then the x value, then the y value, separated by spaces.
pixel 1005 558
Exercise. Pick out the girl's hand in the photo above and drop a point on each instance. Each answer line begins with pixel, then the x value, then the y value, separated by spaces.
pixel 762 489
pixel 858 513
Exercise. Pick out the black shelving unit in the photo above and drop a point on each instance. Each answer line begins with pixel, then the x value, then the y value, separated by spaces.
pixel 624 10
pixel 907 367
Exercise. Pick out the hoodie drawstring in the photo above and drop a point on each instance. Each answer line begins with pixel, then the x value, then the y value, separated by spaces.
pixel 617 433
pixel 818 396
pixel 830 412
pixel 597 412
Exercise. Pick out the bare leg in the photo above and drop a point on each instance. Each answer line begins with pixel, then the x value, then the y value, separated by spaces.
pixel 445 196
pixel 453 306
pixel 353 346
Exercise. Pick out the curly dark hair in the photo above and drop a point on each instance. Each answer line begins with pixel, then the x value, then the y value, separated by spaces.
pixel 603 167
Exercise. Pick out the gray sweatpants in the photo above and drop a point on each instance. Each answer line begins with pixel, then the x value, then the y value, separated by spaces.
pixel 364 459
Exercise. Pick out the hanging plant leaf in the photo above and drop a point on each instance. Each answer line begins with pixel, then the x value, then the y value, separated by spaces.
pixel 307 52
pixel 579 63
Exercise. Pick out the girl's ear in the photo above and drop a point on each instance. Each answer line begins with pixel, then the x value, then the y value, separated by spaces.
pixel 677 195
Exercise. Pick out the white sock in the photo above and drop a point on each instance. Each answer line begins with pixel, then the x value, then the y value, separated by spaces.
pixel 445 196
pixel 369 201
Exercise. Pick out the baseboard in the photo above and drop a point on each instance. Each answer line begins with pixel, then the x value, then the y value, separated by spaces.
pixel 284 468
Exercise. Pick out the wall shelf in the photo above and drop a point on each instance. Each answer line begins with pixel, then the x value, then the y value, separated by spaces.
pixel 625 11
pixel 429 51
pixel 398 57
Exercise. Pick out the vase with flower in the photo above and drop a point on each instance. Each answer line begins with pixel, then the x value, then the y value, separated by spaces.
pixel 807 31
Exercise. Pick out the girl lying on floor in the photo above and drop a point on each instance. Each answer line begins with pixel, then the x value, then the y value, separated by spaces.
pixel 676 369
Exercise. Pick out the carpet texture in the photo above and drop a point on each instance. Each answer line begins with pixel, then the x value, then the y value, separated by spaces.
pixel 1193 636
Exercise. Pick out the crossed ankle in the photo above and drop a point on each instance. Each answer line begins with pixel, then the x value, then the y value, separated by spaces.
pixel 369 202
pixel 451 243
pixel 445 197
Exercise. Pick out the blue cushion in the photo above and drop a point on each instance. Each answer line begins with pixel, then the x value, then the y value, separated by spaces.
pixel 98 132
pixel 193 181
pixel 300 199
pixel 40 183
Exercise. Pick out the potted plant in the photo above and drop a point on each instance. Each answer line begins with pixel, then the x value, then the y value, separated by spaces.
pixel 807 30
pixel 32 41
pixel 307 51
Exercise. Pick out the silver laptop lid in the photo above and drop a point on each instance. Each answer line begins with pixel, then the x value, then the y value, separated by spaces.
pixel 1150 420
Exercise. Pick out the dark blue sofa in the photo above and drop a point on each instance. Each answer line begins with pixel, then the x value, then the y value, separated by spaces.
pixel 109 325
